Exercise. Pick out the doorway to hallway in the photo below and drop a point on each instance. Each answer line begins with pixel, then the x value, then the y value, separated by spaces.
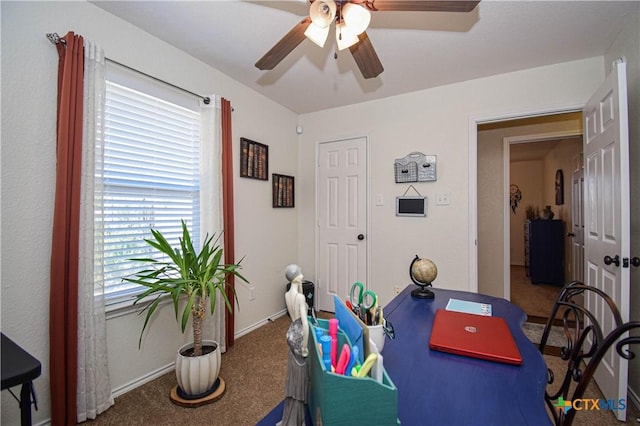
pixel 539 248
pixel 500 226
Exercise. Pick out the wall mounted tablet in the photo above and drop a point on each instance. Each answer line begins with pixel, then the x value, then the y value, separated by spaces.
pixel 411 206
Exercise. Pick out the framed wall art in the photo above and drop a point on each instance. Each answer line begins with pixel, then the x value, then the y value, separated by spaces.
pixel 254 159
pixel 283 190
pixel 559 188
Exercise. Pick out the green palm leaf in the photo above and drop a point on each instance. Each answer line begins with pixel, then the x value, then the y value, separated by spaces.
pixel 198 275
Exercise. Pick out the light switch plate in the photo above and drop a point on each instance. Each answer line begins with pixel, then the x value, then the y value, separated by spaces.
pixel 442 199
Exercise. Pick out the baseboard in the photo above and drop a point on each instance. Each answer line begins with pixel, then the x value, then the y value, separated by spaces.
pixel 121 390
pixel 259 324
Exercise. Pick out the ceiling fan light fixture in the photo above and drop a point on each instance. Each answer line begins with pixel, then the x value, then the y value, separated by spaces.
pixel 322 12
pixel 317 34
pixel 344 36
pixel 356 17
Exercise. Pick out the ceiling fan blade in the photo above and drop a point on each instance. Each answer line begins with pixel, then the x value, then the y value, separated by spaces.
pixel 282 48
pixel 366 57
pixel 422 5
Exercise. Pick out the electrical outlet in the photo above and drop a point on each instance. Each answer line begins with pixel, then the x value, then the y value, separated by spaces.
pixel 396 289
pixel 252 293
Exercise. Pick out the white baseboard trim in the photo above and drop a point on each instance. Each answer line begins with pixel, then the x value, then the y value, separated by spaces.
pixel 259 324
pixel 121 390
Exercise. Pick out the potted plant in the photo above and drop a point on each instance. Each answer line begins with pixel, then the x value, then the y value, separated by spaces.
pixel 192 279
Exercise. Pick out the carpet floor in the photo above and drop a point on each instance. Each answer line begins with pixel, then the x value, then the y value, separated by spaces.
pixel 534 332
pixel 535 299
pixel 254 371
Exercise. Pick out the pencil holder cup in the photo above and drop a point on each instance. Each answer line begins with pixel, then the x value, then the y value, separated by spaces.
pixel 376 335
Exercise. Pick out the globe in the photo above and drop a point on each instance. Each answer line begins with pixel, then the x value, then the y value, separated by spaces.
pixel 422 272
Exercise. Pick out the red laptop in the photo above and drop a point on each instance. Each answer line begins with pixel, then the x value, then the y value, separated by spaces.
pixel 475 336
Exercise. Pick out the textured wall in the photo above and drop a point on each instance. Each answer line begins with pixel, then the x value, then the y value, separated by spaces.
pixel 528 176
pixel 267 237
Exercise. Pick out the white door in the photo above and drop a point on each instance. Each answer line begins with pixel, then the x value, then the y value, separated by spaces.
pixel 577 217
pixel 607 232
pixel 342 218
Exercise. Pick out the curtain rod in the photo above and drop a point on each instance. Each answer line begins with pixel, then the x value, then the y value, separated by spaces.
pixel 54 38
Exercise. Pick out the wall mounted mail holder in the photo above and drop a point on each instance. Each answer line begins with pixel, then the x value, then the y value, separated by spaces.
pixel 415 167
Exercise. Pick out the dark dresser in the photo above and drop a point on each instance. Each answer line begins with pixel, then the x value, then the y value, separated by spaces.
pixel 544 251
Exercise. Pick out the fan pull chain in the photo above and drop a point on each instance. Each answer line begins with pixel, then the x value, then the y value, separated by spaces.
pixel 339 19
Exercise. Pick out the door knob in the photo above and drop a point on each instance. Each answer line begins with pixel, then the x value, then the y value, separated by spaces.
pixel 361 237
pixel 608 260
pixel 635 261
pixel 570 234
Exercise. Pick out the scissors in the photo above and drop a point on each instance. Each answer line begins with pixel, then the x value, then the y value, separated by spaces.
pixel 361 300
pixel 377 317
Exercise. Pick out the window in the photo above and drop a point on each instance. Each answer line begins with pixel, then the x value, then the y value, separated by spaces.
pixel 151 178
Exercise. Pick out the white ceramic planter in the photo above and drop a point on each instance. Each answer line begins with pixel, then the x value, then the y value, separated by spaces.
pixel 196 375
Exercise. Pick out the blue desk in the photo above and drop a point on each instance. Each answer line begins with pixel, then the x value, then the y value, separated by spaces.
pixel 443 389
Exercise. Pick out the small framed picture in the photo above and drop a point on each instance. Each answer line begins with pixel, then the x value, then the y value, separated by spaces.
pixel 559 188
pixel 283 190
pixel 254 159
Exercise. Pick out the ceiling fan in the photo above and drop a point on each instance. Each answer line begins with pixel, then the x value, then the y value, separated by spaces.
pixel 352 18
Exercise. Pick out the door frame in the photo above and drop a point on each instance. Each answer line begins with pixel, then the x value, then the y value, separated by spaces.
pixel 506 168
pixel 367 203
pixel 474 121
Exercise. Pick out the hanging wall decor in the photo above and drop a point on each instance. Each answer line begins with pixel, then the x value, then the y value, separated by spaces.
pixel 559 187
pixel 515 195
pixel 415 167
pixel 283 190
pixel 254 159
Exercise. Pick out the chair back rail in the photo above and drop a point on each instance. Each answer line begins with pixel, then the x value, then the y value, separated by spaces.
pixel 586 344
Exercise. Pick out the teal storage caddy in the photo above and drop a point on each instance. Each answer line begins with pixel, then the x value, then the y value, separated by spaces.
pixel 341 400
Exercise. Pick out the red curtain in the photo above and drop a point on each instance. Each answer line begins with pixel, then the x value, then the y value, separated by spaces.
pixel 227 207
pixel 63 298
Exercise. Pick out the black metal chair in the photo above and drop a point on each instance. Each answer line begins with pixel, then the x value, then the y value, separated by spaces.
pixel 586 344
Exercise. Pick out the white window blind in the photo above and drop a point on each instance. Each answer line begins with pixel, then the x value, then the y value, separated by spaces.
pixel 150 180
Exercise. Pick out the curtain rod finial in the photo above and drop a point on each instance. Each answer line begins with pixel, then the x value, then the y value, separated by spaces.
pixel 55 38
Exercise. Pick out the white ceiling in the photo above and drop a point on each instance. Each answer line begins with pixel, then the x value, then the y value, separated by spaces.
pixel 536 150
pixel 418 50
